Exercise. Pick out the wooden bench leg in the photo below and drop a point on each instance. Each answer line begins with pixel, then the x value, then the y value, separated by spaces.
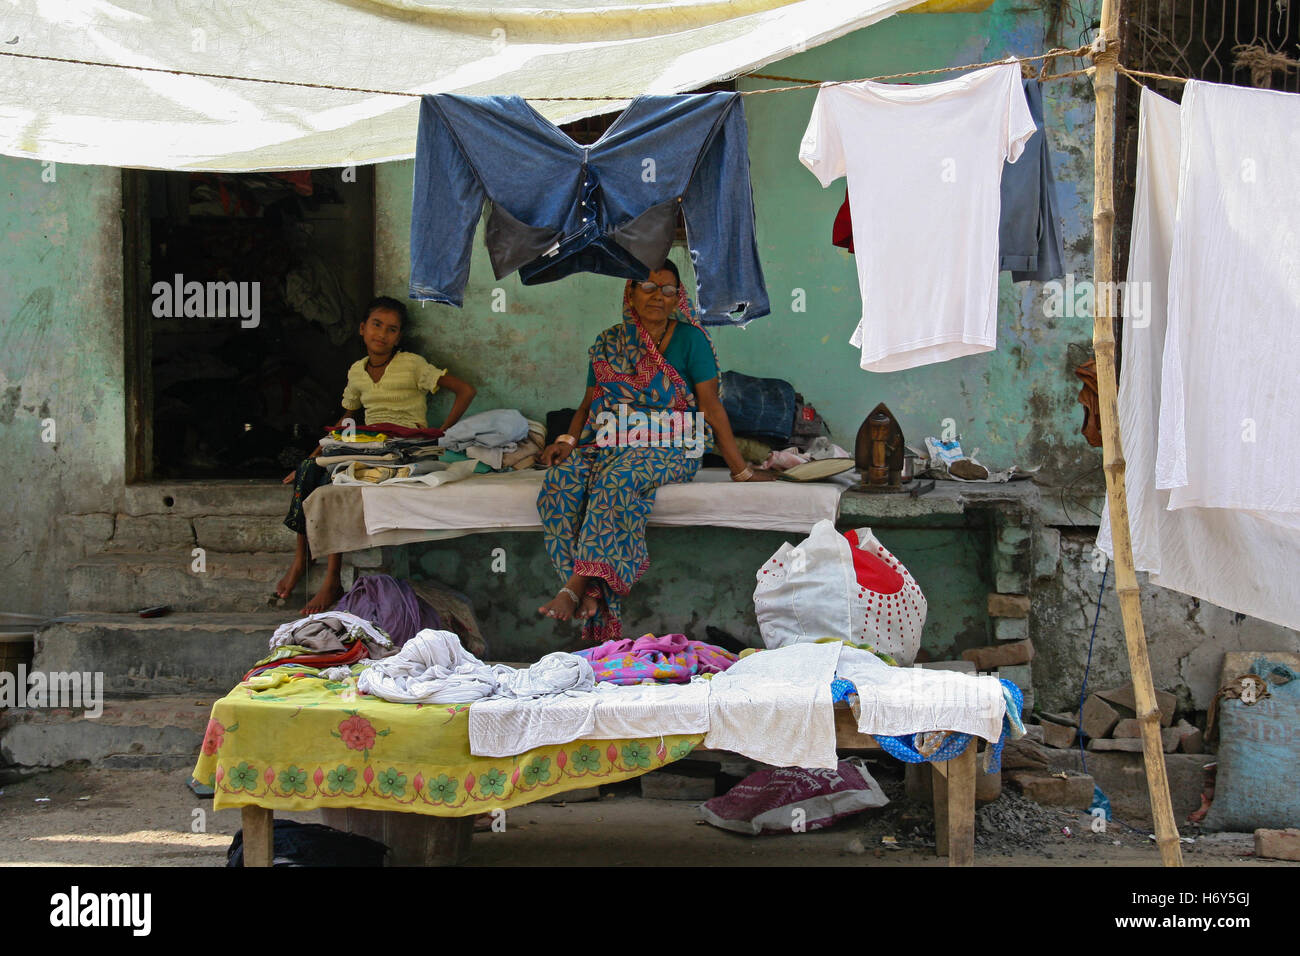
pixel 954 808
pixel 259 831
pixel 939 788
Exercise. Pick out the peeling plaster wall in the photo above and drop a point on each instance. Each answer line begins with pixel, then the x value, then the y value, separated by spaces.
pixel 1017 404
pixel 61 370
pixel 1187 638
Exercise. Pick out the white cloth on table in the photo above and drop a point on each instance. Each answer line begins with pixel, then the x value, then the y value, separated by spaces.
pixel 775 706
pixel 433 668
pixel 924 168
pixel 503 728
pixel 356 627
pixel 893 701
pixel 509 500
pixel 1245 561
pixel 1228 417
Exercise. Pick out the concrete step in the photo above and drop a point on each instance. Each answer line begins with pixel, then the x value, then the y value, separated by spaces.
pixel 228 582
pixel 158 733
pixel 184 653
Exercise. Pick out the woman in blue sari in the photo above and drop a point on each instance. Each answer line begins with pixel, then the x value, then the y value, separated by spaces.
pixel 651 407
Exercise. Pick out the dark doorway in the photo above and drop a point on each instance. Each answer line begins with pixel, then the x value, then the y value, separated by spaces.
pixel 245 315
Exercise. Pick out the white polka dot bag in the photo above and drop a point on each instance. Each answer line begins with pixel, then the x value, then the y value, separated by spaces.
pixel 846 586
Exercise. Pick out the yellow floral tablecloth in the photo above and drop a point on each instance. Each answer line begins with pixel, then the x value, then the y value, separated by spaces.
pixel 305 743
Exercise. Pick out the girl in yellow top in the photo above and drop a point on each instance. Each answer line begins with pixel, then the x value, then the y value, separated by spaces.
pixel 393 388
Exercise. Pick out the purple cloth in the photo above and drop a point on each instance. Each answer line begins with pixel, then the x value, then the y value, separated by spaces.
pixel 390 604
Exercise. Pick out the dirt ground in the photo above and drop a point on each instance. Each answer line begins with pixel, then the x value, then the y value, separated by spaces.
pixel 150 818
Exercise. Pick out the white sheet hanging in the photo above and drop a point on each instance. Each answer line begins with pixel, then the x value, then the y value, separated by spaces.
pixel 1239 560
pixel 113 117
pixel 1227 409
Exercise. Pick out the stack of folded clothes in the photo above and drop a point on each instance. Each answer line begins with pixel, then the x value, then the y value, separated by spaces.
pixel 498 440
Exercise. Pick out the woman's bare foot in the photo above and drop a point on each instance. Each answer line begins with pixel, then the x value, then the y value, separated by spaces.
pixel 591 604
pixel 560 607
pixel 325 598
pixel 290 579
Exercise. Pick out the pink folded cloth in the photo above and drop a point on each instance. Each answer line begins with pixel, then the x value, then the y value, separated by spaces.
pixel 781 460
pixel 670 658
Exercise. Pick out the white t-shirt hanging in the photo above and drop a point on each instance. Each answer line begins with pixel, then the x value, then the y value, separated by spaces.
pixel 924 165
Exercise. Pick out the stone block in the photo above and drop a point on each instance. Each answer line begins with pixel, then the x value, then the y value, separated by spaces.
pixel 1127 744
pixel 1010 629
pixel 1128 727
pixel 1066 720
pixel 1122 697
pixel 243 533
pixel 1058 735
pixel 1034 732
pixel 1000 655
pixel 1022 675
pixel 85 534
pixel 1099 717
pixel 1067 790
pixel 152 533
pixel 1008 605
pixel 1013 538
pixel 1024 754
pixel 1278 844
pixel 1010 579
pixel 1192 743
pixel 1047 553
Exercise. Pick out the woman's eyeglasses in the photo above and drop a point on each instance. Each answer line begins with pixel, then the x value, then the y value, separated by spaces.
pixel 669 291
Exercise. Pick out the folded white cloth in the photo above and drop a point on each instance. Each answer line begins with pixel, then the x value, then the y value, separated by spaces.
pixel 434 668
pixel 503 728
pixel 905 700
pixel 775 706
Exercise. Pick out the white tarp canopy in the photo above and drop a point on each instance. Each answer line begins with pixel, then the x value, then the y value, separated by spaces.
pixel 104 115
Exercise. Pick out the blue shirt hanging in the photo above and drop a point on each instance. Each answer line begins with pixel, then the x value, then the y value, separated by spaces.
pixel 556 208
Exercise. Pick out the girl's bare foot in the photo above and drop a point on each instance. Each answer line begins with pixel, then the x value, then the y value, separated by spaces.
pixel 325 598
pixel 290 579
pixel 560 607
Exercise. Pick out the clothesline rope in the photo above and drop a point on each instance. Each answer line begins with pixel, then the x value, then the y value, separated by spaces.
pixel 1078 52
pixel 1132 74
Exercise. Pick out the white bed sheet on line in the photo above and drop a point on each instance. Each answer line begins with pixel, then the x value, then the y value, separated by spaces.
pixel 509 500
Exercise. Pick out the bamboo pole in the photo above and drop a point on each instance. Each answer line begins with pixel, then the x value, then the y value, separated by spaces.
pixel 1103 342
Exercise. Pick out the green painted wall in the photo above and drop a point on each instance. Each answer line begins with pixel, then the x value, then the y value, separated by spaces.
pixel 61 366
pixel 1016 405
pixel 62 358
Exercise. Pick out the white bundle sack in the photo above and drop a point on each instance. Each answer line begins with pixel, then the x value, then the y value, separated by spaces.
pixel 848 587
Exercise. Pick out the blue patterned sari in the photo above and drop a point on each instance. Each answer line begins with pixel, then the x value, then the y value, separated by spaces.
pixel 594 505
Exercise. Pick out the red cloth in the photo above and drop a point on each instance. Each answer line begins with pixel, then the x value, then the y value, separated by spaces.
pixel 350 656
pixel 402 431
pixel 842 231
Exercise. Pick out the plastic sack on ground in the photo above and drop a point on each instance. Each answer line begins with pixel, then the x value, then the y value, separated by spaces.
pixel 845 586
pixel 795 800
